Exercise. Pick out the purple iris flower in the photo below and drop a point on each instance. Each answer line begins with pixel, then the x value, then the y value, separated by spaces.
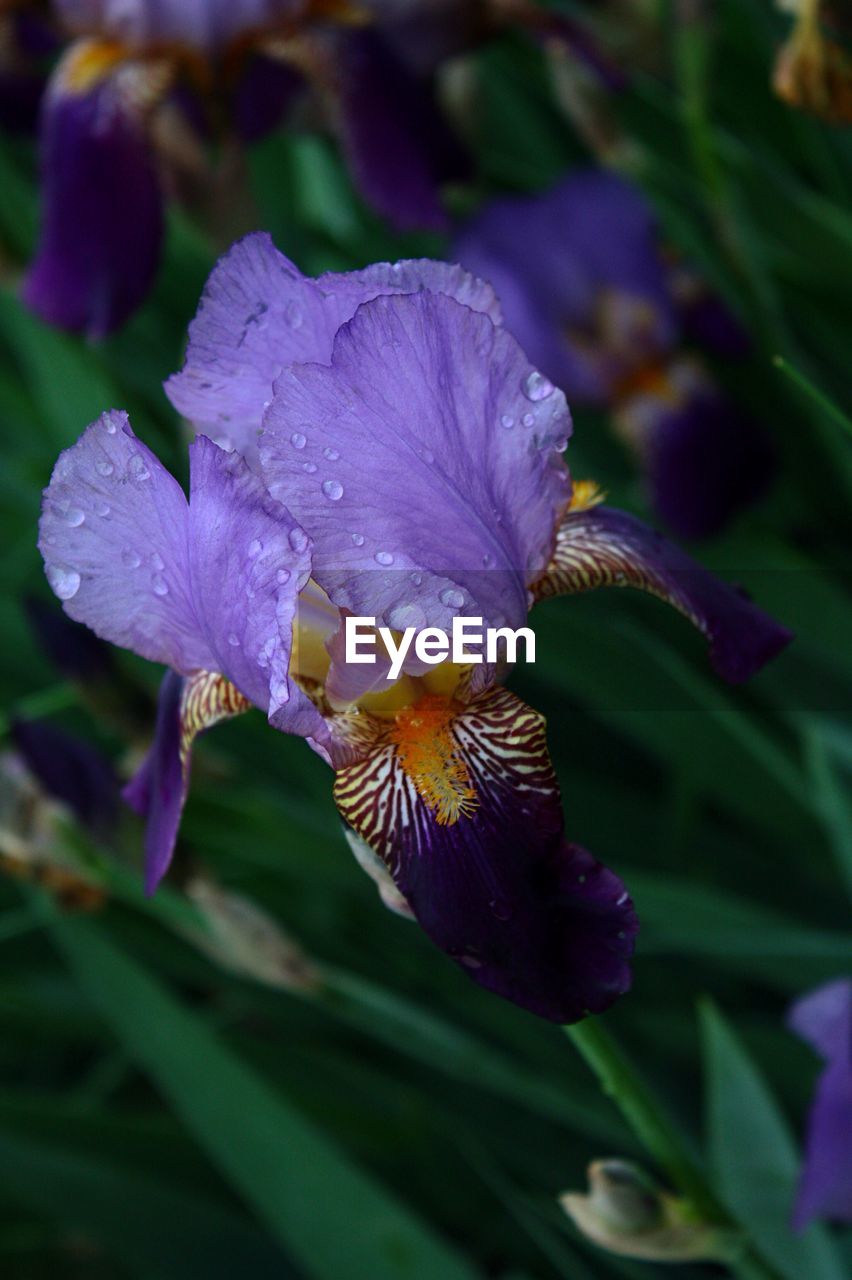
pixel 824 1019
pixel 386 449
pixel 587 292
pixel 145 85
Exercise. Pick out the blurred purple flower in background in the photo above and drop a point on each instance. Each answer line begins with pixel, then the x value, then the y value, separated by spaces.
pixel 390 452
pixel 586 290
pixel 146 85
pixel 824 1019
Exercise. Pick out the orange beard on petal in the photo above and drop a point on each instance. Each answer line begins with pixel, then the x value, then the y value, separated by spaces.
pixel 430 757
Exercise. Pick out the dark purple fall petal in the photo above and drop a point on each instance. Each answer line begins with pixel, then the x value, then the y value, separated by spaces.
pixel 258 314
pixel 264 92
pixel 102 220
pixel 524 913
pixel 824 1019
pixel 71 771
pixel 704 462
pixel 186 707
pixel 602 547
pixel 424 462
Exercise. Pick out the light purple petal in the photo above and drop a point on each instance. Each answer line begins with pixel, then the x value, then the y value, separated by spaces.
pixel 208 585
pixel 102 216
pixel 601 547
pixel 259 313
pixel 423 462
pixel 205 25
pixel 824 1019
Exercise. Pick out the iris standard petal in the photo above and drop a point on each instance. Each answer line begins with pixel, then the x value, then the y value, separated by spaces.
pixel 258 313
pixel 186 707
pixel 599 547
pixel 102 214
pixel 824 1019
pixel 207 585
pixel 462 806
pixel 424 462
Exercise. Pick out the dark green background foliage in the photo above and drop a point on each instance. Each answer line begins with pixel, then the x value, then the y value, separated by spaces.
pixel 162 1118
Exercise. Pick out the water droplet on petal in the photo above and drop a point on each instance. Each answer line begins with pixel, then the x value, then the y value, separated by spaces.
pixel 507 421
pixel 159 585
pixel 406 615
pixel 452 597
pixel 233 640
pixel 104 468
pixel 111 427
pixel 293 315
pixel 417 578
pixel 74 517
pixel 501 909
pixel 298 440
pixel 156 560
pixel 528 419
pixel 298 539
pixel 358 539
pixel 536 387
pixel 383 557
pixel 310 467
pixel 282 576
pixel 332 489
pixel 130 559
pixel 136 467
pixel 65 582
pixel 254 548
pixel 280 691
pixel 331 454
pixel 561 444
pixel 102 509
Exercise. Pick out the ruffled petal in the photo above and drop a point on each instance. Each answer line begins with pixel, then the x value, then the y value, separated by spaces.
pixel 600 547
pixel 494 884
pixel 424 462
pixel 207 585
pixel 824 1019
pixel 258 314
pixel 157 792
pixel 102 221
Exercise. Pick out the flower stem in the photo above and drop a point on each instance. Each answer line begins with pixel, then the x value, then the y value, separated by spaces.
pixel 653 1127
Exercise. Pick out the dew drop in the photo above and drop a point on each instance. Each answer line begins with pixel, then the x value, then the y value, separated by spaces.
pixel 74 517
pixel 528 419
pixel 332 489
pixel 417 578
pixel 233 640
pixel 104 468
pixel 501 909
pixel 282 576
pixel 280 691
pixel 130 559
pixel 65 582
pixel 358 539
pixel 159 585
pixel 383 557
pixel 536 387
pixel 254 548
pixel 156 560
pixel 507 421
pixel 298 440
pixel 136 467
pixel 293 315
pixel 310 467
pixel 406 615
pixel 331 454
pixel 561 444
pixel 452 597
pixel 110 427
pixel 102 509
pixel 472 962
pixel 298 539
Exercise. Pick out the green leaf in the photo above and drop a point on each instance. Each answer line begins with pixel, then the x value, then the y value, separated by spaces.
pixel 829 757
pixel 754 1158
pixel 327 1213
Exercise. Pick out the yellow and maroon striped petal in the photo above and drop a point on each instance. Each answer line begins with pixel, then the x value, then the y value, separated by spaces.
pixel 187 707
pixel 461 804
pixel 597 546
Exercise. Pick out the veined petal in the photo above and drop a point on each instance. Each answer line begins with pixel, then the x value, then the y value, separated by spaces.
pixel 258 313
pixel 157 792
pixel 424 462
pixel 462 806
pixel 102 221
pixel 601 547
pixel 208 584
